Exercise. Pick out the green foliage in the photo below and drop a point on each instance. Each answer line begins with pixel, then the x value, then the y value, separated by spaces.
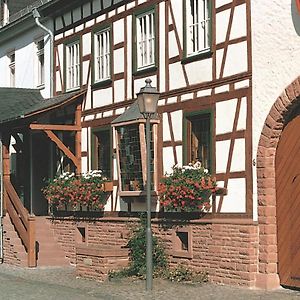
pixel 137 246
pixel 137 251
pixel 183 274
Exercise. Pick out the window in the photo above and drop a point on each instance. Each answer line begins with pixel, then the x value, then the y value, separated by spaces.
pixel 145 35
pixel 102 55
pixel 102 155
pixel 198 139
pixel 40 62
pixel 4 16
pixel 12 68
pixel 73 66
pixel 197 26
pixel 182 242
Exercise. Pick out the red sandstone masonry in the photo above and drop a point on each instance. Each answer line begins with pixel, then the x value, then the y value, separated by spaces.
pixel 228 252
pixel 266 185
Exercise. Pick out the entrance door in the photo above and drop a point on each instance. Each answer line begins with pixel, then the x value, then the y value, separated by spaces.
pixel 41 169
pixel 288 204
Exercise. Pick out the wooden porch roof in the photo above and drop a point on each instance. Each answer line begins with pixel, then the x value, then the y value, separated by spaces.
pixel 20 103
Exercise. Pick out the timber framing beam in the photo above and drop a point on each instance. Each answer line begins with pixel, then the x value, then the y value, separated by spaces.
pixel 63 148
pixel 51 127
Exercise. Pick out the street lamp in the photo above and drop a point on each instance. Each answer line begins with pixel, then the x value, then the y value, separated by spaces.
pixel 147 100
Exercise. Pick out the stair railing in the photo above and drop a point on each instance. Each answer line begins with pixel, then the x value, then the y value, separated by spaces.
pixel 23 222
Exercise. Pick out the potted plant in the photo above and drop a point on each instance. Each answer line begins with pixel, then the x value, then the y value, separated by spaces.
pixel 73 192
pixel 187 188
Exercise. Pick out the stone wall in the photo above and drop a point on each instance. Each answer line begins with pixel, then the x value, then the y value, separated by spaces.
pixel 228 252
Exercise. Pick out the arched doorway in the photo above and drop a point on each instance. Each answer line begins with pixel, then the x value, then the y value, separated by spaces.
pixel 287 170
pixel 270 214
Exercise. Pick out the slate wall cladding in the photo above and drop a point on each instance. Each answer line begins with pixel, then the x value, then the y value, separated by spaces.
pixel 228 252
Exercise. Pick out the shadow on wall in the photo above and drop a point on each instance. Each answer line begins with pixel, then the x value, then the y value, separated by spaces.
pixel 295 16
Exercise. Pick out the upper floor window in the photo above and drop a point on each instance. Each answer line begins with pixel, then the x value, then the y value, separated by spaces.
pixel 102 55
pixel 145 40
pixel 197 26
pixel 102 151
pixel 198 139
pixel 73 65
pixel 12 68
pixel 4 15
pixel 40 62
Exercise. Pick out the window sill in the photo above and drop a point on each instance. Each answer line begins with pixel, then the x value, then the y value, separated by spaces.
pixel 137 196
pixel 182 254
pixel 195 57
pixel 40 86
pixel 101 84
pixel 145 71
pixel 77 88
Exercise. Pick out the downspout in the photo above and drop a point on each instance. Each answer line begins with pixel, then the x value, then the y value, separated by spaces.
pixel 37 16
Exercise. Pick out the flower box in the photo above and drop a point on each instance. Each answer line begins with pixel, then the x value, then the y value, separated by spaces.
pixel 187 189
pixel 108 186
pixel 88 191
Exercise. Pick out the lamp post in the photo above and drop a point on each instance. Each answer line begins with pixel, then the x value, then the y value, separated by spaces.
pixel 147 100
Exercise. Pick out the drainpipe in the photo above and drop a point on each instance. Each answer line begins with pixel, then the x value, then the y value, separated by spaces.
pixel 37 16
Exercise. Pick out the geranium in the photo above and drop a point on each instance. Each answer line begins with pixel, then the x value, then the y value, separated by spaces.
pixel 187 188
pixel 72 190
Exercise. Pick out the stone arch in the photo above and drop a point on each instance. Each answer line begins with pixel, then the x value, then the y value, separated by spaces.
pixel 281 112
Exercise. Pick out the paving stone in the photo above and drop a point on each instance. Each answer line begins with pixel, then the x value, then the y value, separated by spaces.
pixel 61 283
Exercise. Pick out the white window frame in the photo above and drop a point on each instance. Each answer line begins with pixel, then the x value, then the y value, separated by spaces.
pixel 4 12
pixel 102 55
pixel 12 68
pixel 40 62
pixel 198 22
pixel 145 39
pixel 73 65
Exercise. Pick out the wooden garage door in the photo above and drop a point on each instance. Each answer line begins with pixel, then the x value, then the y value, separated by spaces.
pixel 288 204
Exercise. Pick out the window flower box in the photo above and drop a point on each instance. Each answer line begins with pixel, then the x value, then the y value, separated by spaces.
pixel 108 186
pixel 88 191
pixel 187 189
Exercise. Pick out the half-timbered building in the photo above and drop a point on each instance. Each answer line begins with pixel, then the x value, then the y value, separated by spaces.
pixel 219 66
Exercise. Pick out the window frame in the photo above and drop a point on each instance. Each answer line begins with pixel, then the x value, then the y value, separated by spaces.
pixel 40 72
pixel 152 67
pixel 4 14
pixel 108 80
pixel 204 53
pixel 12 68
pixel 68 44
pixel 94 160
pixel 186 120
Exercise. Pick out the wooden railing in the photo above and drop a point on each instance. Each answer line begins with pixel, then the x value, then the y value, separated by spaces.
pixel 22 221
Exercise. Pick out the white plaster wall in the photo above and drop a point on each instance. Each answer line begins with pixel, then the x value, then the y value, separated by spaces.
pixel 235 201
pixel 25 54
pixel 276 52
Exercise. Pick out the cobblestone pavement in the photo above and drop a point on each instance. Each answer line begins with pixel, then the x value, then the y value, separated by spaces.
pixel 61 283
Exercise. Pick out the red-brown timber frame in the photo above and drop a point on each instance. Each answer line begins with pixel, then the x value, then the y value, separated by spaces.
pixel 49 128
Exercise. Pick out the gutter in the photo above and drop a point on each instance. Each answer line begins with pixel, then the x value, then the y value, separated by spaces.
pixel 36 15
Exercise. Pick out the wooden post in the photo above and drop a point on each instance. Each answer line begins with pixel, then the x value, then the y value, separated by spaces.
pixel 78 138
pixel 6 168
pixel 31 242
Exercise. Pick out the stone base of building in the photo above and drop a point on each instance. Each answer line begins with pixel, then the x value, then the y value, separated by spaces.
pixel 95 263
pixel 267 281
pixel 227 251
